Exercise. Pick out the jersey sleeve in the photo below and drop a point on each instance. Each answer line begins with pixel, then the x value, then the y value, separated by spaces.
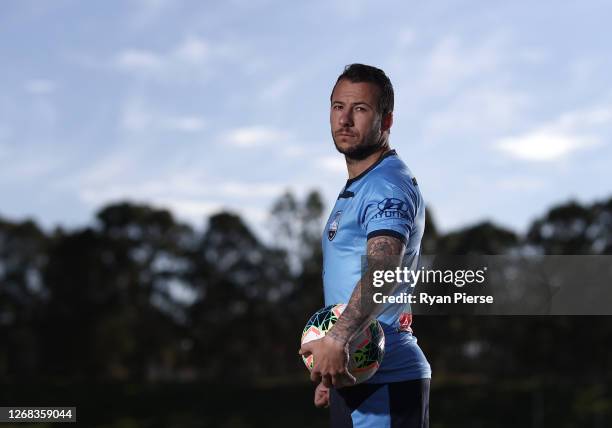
pixel 389 210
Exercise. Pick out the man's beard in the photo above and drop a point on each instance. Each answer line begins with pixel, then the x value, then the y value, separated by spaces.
pixel 362 150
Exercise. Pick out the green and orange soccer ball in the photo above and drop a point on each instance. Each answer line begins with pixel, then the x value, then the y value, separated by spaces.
pixel 366 349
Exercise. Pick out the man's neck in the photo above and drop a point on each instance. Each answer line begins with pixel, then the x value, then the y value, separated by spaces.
pixel 356 167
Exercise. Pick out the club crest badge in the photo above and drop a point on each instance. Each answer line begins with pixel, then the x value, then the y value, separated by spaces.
pixel 333 226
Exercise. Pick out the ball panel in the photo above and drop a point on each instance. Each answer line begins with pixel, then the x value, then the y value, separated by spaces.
pixel 366 350
pixel 311 333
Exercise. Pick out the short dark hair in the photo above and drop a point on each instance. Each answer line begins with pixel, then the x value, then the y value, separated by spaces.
pixel 358 73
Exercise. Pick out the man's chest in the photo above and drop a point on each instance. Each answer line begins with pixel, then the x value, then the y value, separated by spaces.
pixel 343 230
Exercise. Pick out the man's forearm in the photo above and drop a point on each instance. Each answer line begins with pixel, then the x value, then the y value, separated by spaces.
pixel 384 253
pixel 356 316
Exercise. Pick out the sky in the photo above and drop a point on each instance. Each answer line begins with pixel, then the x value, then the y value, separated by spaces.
pixel 502 109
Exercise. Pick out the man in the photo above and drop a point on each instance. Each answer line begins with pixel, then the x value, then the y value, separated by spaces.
pixel 379 213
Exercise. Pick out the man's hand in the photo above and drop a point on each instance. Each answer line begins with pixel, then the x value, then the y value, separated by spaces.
pixel 330 362
pixel 321 396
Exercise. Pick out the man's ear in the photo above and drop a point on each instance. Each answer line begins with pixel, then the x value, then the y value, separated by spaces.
pixel 386 122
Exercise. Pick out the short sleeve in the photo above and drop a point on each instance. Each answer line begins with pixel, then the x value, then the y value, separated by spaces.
pixel 388 210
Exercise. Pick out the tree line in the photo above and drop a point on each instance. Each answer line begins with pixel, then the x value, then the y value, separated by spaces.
pixel 139 296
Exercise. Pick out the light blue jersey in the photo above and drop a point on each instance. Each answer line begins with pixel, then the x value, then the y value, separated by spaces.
pixel 383 200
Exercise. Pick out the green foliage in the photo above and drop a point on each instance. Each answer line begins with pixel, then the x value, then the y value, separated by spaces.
pixel 483 238
pixel 139 296
pixel 574 229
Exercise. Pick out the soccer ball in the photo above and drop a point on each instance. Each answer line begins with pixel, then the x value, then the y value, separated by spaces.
pixel 366 349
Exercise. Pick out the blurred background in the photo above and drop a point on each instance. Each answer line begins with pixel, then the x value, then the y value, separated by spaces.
pixel 166 167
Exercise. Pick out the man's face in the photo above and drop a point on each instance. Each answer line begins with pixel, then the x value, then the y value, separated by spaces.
pixel 354 119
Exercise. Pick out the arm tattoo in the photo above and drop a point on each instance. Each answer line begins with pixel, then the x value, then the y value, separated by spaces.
pixel 384 253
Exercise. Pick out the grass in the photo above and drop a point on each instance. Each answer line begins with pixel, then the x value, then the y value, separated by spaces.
pixel 455 403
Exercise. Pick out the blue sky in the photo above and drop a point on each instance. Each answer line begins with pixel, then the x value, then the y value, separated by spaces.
pixel 502 108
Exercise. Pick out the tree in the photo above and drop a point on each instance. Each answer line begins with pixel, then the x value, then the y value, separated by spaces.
pixel 296 227
pixel 110 311
pixel 238 318
pixel 23 249
pixel 483 238
pixel 574 229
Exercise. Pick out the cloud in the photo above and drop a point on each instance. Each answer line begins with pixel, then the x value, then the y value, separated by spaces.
pixel 478 111
pixel 24 167
pixel 278 89
pixel 104 172
pixel 452 62
pixel 39 86
pixel 190 60
pixel 188 195
pixel 188 191
pixel 582 71
pixel 190 209
pixel 5 132
pixel 256 136
pixel 138 59
pixel 249 190
pixel 116 177
pixel 293 151
pixel 453 85
pixel 139 116
pixel 189 186
pixel 543 145
pixel 584 118
pixel 521 184
pixel 148 12
pixel 405 38
pixel 192 50
pixel 570 132
pixel 351 10
pixel 334 164
pixel 185 123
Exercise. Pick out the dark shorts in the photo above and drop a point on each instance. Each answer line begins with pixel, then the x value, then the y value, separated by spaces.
pixel 393 405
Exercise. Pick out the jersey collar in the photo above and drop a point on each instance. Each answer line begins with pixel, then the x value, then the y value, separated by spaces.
pixel 350 181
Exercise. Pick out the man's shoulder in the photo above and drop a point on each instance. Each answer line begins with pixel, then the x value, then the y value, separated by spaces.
pixel 392 173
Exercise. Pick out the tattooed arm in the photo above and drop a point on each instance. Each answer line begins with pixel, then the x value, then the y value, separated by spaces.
pixel 331 352
pixel 384 253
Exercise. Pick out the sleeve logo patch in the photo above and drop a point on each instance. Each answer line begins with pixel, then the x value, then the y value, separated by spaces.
pixel 333 226
pixel 392 208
